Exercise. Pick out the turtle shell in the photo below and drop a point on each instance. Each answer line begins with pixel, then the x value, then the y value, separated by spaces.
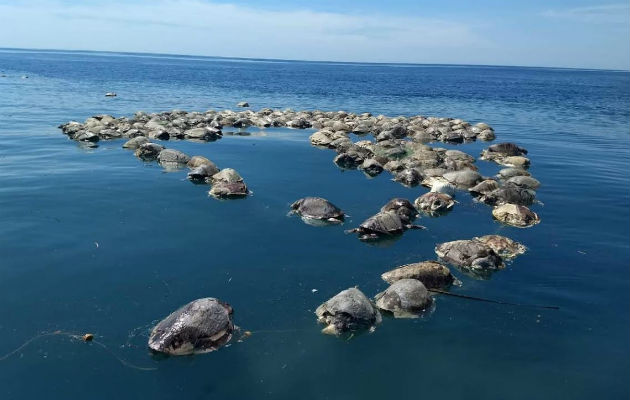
pixel 317 208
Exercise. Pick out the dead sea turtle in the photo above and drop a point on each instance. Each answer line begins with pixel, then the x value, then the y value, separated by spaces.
pixel 171 158
pixel 484 187
pixel 434 204
pixel 470 254
pixel 432 274
pixel 317 208
pixel 348 311
pixel 383 224
pixel 503 246
pixel 148 151
pixel 202 173
pixel 405 298
pixel 200 326
pixel 403 207
pixel 515 215
pixel 509 193
pixel 227 175
pixel 228 190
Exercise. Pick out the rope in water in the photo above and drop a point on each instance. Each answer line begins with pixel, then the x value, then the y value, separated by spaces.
pixel 463 296
pixel 84 338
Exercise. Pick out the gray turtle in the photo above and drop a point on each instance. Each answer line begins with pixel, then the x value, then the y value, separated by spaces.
pixel 136 142
pixel 434 203
pixel 202 173
pixel 471 255
pixel 383 224
pixel 433 274
pixel 348 311
pixel 198 161
pixel 484 187
pixel 405 298
pixel 526 182
pixel 509 193
pixel 172 158
pixel 200 326
pixel 227 175
pixel 371 167
pixel 464 179
pixel 507 173
pixel 403 207
pixel 503 246
pixel 408 177
pixel 148 151
pixel 317 208
pixel 507 149
pixel 228 190
pixel 515 215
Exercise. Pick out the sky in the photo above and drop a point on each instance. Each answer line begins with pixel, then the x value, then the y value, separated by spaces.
pixel 552 33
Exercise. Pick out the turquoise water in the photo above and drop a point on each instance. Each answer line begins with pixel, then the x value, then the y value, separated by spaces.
pixel 94 240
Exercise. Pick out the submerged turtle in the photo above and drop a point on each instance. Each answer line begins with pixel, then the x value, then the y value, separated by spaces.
pixel 434 203
pixel 228 190
pixel 432 274
pixel 515 215
pixel 471 255
pixel 503 246
pixel 405 298
pixel 200 326
pixel 383 224
pixel 317 208
pixel 371 167
pixel 348 311
pixel 403 207
pixel 408 177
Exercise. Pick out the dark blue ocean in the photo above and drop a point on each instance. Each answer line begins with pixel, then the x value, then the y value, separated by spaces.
pixel 94 240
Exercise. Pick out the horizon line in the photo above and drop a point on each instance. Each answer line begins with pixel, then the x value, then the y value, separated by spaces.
pixel 255 59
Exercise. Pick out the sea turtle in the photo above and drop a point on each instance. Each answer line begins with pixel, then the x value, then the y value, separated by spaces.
pixel 506 149
pixel 514 162
pixel 405 298
pixel 503 246
pixel 200 326
pixel 317 208
pixel 383 224
pixel 484 187
pixel 371 167
pixel 348 311
pixel 466 178
pixel 509 193
pixel 172 158
pixel 227 175
pixel 136 142
pixel 202 172
pixel 198 161
pixel 443 187
pixel 434 203
pixel 524 181
pixel 148 151
pixel 432 274
pixel 228 190
pixel 507 173
pixel 403 207
pixel 408 177
pixel 470 254
pixel 515 215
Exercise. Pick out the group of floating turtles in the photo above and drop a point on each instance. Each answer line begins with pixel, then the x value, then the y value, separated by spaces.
pixel 398 147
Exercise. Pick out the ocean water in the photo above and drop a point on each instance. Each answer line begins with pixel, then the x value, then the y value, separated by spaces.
pixel 94 240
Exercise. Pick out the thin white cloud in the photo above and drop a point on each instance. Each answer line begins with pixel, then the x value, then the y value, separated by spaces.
pixel 606 13
pixel 200 27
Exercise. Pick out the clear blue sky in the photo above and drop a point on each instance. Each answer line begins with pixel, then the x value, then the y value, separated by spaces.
pixel 562 33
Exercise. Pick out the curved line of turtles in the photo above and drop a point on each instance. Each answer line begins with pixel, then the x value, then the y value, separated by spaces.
pixel 397 145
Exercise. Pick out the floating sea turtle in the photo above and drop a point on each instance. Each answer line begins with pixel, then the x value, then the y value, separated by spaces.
pixel 515 215
pixel 434 204
pixel 503 246
pixel 202 173
pixel 228 190
pixel 383 224
pixel 484 187
pixel 171 158
pixel 509 193
pixel 464 179
pixel 200 326
pixel 348 311
pixel 471 255
pixel 317 208
pixel 432 274
pixel 524 181
pixel 507 173
pixel 136 142
pixel 227 175
pixel 443 187
pixel 371 167
pixel 403 207
pixel 408 177
pixel 405 298
pixel 148 151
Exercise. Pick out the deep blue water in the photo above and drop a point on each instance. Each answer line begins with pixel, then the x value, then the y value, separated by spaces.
pixel 162 242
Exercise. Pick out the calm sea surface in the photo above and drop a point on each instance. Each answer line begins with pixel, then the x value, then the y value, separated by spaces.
pixel 94 240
